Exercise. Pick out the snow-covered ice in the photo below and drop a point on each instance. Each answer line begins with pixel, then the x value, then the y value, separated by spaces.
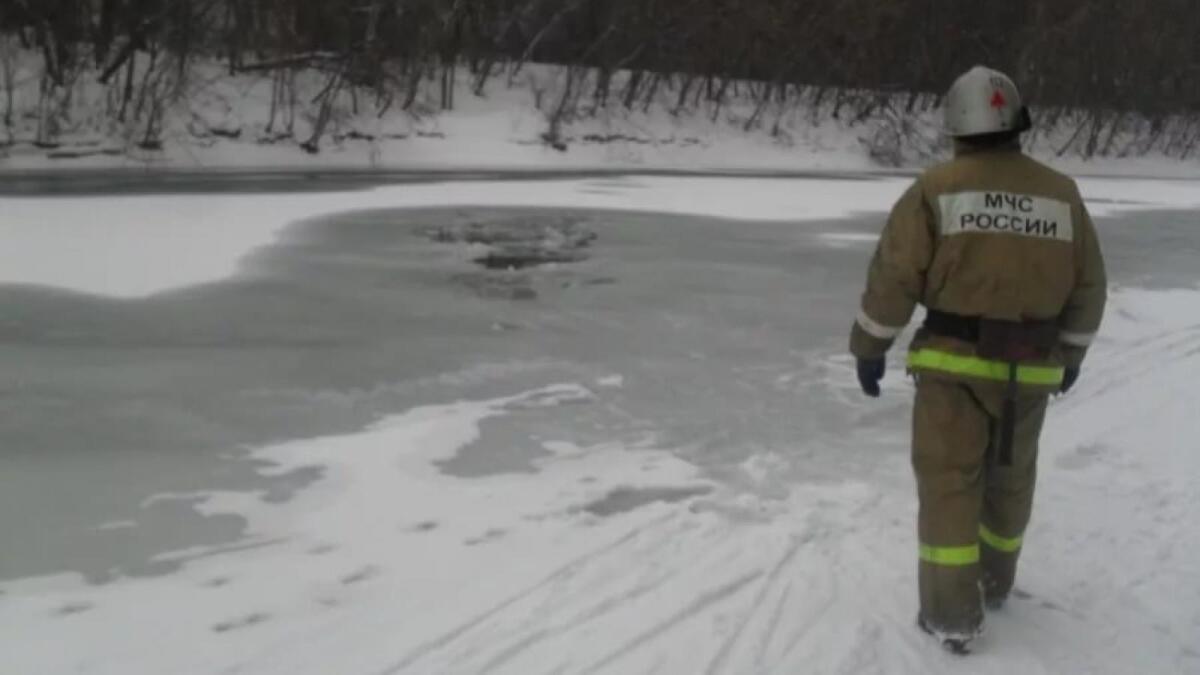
pixel 133 246
pixel 659 465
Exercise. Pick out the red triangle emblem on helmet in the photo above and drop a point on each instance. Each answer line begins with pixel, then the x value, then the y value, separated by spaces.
pixel 998 100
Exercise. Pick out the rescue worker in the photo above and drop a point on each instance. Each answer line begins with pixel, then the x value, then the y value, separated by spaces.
pixel 1002 253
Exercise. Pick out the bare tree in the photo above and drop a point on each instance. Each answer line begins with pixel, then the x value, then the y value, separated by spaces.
pixel 1131 67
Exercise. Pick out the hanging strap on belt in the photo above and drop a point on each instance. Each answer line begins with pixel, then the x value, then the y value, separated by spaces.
pixel 1008 419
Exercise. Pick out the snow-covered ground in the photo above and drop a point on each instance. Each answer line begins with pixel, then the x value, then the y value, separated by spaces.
pixel 654 460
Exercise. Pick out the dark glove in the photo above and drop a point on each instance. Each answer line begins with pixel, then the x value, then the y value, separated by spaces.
pixel 1069 378
pixel 870 372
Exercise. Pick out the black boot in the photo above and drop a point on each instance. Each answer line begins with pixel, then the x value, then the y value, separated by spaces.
pixel 957 644
pixel 993 596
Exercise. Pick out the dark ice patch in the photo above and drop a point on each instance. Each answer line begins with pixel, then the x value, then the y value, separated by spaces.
pixel 519 258
pixel 625 499
pixel 520 242
pixel 498 287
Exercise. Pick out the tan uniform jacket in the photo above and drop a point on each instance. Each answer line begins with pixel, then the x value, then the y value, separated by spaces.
pixel 994 234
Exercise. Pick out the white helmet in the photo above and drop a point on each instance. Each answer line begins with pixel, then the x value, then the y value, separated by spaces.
pixel 984 101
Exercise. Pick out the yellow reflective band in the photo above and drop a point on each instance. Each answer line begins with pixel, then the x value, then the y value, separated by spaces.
pixel 957 364
pixel 950 556
pixel 1002 544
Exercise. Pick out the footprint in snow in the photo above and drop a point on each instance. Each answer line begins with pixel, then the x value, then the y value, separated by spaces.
pixel 490 535
pixel 322 549
pixel 368 572
pixel 73 608
pixel 216 582
pixel 329 602
pixel 241 622
pixel 1082 457
pixel 1039 602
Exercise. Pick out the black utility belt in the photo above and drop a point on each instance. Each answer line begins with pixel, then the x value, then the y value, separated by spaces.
pixel 1009 341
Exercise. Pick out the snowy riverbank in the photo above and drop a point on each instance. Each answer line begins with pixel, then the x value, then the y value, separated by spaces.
pixel 225 121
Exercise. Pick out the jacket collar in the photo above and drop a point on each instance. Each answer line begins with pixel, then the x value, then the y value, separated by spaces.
pixel 962 147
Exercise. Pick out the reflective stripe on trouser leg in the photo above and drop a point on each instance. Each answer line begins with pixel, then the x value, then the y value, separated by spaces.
pixel 998 543
pixel 1008 500
pixel 950 439
pixel 998 563
pixel 950 556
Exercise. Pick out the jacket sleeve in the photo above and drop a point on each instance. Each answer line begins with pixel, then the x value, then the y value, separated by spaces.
pixel 1080 318
pixel 896 278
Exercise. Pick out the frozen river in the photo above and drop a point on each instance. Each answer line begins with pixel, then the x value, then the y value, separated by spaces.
pixel 360 315
pixel 697 361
